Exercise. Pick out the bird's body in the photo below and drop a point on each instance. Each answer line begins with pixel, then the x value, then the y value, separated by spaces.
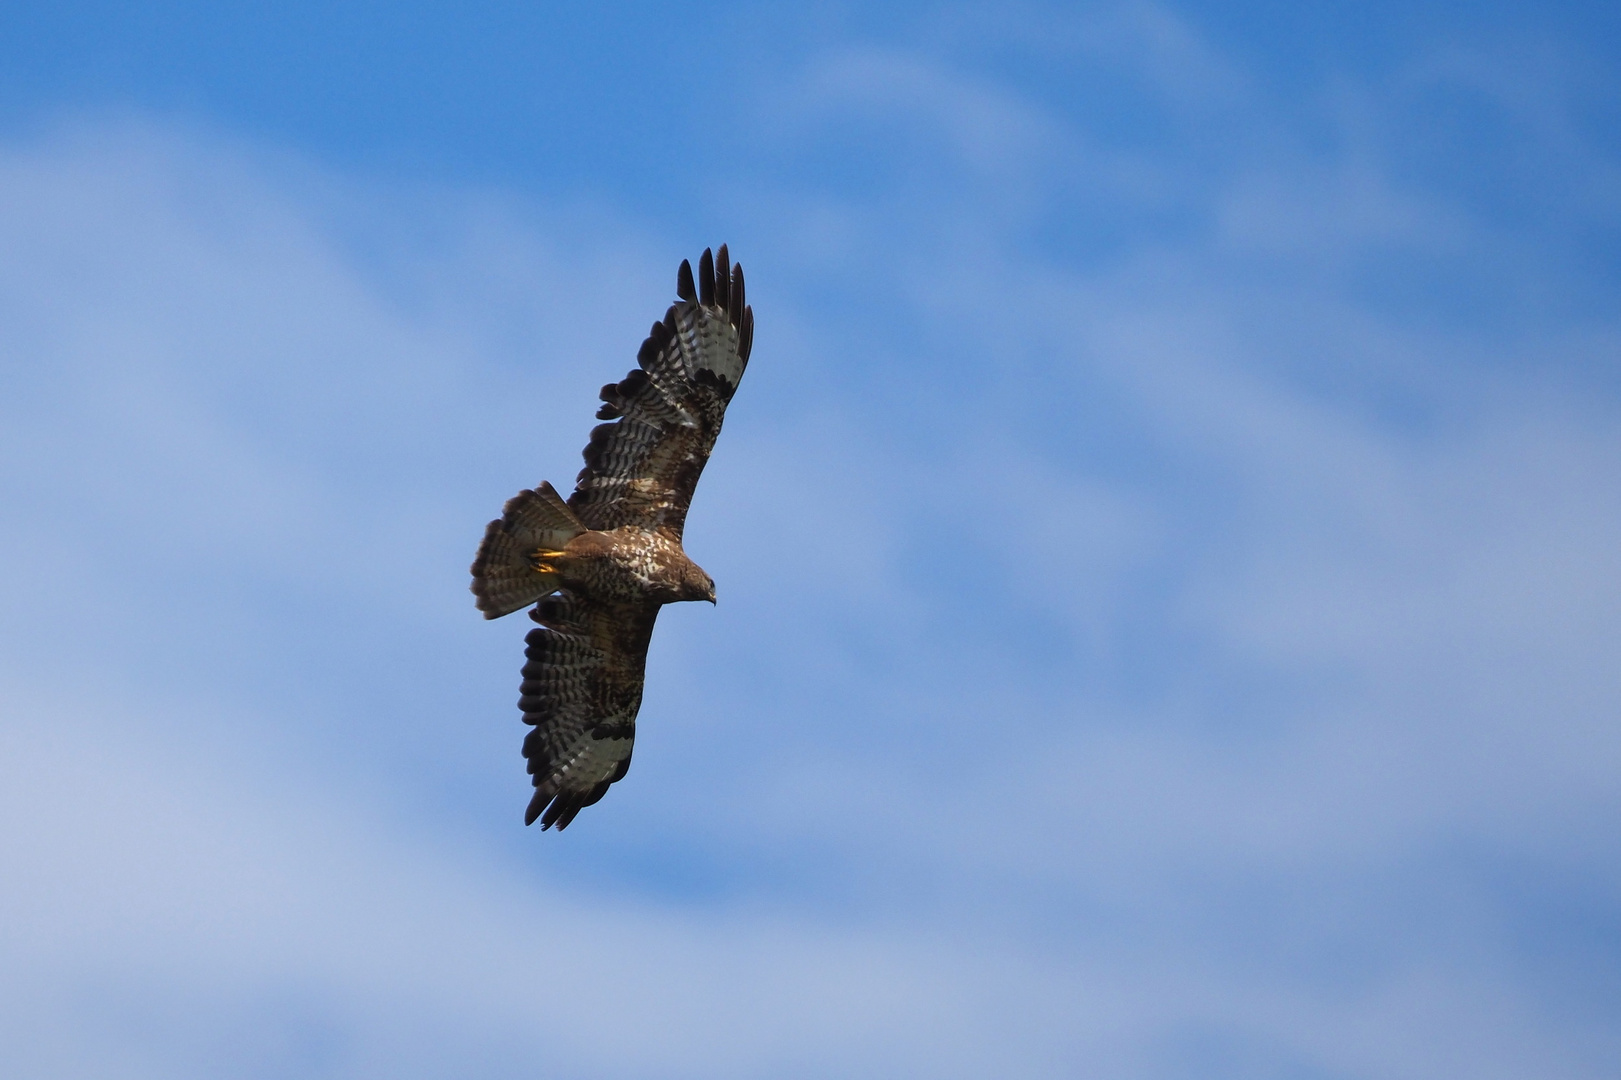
pixel 599 566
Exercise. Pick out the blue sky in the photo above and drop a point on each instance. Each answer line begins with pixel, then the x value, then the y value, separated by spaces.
pixel 1168 541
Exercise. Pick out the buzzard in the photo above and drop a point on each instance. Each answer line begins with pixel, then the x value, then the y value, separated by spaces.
pixel 599 566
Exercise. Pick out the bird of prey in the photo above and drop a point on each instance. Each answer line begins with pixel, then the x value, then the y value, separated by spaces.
pixel 599 566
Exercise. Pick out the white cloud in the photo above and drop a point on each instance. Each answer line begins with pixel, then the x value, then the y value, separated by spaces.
pixel 1012 748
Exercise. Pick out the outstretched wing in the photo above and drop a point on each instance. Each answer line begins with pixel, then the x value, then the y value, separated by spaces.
pixel 642 468
pixel 581 688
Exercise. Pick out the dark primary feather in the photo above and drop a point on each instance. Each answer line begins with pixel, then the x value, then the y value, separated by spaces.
pixel 706 278
pixel 642 467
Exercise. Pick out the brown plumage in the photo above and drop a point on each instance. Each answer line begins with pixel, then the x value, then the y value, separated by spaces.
pixel 599 566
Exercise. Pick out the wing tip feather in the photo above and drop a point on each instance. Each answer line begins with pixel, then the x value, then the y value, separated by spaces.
pixel 558 809
pixel 706 278
pixel 735 294
pixel 723 278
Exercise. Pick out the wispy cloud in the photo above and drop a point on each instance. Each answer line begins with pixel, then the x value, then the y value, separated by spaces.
pixel 1182 662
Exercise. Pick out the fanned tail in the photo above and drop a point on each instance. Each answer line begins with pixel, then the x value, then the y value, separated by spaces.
pixel 509 571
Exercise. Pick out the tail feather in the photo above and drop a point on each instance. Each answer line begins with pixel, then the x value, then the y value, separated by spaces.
pixel 505 577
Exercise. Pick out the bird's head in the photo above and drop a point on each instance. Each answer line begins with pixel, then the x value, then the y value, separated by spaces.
pixel 697 585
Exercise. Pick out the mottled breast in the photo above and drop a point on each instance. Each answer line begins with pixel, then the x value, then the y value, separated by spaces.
pixel 630 562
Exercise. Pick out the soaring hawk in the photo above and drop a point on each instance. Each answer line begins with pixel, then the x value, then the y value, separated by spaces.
pixel 599 566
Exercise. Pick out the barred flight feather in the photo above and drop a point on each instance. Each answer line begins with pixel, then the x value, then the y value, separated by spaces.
pixel 643 466
pixel 581 690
